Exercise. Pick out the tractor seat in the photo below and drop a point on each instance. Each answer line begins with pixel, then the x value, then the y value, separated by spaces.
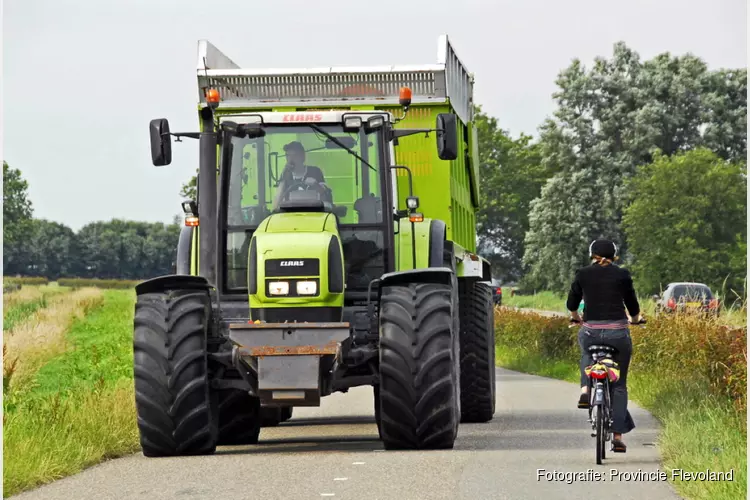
pixel 367 209
pixel 603 348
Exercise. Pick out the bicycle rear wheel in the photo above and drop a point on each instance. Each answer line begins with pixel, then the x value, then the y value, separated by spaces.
pixel 607 418
pixel 599 416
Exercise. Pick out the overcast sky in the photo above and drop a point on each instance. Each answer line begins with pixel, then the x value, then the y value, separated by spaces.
pixel 82 79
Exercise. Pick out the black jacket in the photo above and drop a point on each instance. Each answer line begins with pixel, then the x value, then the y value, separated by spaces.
pixel 310 173
pixel 606 291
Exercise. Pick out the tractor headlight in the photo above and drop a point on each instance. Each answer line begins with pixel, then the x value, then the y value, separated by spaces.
pixel 278 288
pixel 307 288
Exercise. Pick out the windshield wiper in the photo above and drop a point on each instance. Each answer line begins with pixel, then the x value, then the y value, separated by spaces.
pixel 341 145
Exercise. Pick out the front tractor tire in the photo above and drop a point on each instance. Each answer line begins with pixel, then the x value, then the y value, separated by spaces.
pixel 477 352
pixel 177 413
pixel 419 374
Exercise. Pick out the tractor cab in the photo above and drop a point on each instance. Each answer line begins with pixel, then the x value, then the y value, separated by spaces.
pixel 308 166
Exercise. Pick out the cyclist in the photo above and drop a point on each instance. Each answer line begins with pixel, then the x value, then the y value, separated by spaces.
pixel 607 291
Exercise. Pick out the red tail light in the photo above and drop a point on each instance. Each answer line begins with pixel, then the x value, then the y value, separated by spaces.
pixel 499 291
pixel 598 374
pixel 713 304
pixel 671 303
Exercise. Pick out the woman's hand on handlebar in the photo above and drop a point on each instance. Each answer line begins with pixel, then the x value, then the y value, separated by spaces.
pixel 575 318
pixel 640 320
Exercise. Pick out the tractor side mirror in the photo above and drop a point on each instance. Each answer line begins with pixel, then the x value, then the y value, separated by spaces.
pixel 447 136
pixel 161 142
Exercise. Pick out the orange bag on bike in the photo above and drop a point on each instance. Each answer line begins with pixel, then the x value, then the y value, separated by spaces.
pixel 604 367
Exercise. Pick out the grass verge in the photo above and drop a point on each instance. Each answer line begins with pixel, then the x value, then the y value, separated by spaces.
pixel 30 293
pixel 98 283
pixel 79 407
pixel 20 305
pixel 41 336
pixel 702 426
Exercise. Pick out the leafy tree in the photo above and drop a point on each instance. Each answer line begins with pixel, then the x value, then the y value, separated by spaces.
pixel 512 175
pixel 121 249
pixel 17 212
pixel 52 250
pixel 688 221
pixel 563 217
pixel 609 120
pixel 726 114
pixel 189 191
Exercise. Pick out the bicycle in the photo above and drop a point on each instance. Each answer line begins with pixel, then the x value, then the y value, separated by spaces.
pixel 603 372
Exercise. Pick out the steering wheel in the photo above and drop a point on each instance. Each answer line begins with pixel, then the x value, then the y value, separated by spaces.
pixel 297 184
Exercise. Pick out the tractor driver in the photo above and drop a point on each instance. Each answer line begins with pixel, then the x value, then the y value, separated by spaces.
pixel 296 172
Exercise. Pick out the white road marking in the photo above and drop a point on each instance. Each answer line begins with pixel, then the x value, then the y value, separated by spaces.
pixel 358 463
pixel 340 478
pixel 328 494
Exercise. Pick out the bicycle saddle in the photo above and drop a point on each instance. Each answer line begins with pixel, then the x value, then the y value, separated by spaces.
pixel 602 348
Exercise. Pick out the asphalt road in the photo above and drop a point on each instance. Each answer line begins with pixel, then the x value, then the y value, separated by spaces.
pixel 334 452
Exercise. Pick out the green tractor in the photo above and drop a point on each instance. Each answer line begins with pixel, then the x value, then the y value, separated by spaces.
pixel 332 245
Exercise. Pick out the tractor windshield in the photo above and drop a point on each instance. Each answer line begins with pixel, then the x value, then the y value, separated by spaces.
pixel 298 161
pixel 270 169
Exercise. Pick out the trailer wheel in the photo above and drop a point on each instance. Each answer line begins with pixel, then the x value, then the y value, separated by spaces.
pixel 477 352
pixel 177 412
pixel 239 418
pixel 419 398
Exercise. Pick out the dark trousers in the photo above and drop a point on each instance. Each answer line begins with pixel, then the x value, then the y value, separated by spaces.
pixel 620 340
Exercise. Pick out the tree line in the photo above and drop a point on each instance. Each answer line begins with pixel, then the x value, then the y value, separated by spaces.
pixel 649 153
pixel 117 249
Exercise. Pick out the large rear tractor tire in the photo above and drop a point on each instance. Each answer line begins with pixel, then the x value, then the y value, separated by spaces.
pixel 419 372
pixel 271 416
pixel 477 352
pixel 239 418
pixel 376 394
pixel 177 413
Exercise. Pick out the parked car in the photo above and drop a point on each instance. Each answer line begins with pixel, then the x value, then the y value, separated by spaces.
pixel 497 291
pixel 687 296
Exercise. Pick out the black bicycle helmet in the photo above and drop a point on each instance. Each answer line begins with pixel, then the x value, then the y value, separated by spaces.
pixel 603 248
